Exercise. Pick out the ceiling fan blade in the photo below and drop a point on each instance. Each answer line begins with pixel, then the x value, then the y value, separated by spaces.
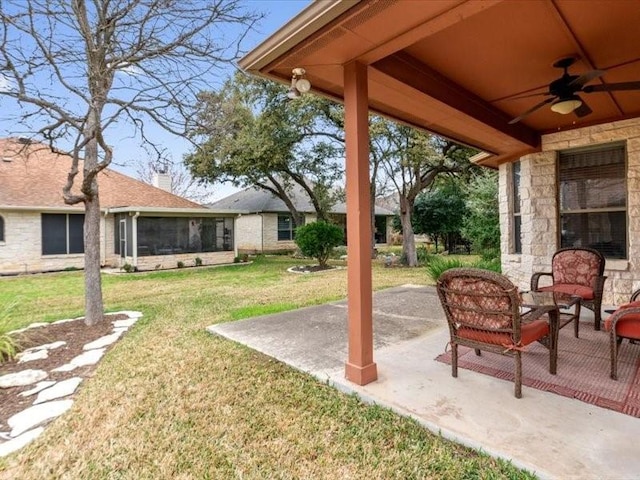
pixel 531 110
pixel 530 95
pixel 586 78
pixel 612 87
pixel 583 110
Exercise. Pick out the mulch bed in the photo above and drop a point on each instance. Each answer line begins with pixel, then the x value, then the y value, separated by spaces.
pixel 311 268
pixel 76 334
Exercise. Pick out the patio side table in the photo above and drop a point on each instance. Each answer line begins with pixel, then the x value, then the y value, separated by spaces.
pixel 562 309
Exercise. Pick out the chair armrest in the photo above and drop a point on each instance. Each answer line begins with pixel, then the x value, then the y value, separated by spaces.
pixel 620 314
pixel 536 277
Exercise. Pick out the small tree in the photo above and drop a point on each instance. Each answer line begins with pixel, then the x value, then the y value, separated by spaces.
pixel 482 223
pixel 318 239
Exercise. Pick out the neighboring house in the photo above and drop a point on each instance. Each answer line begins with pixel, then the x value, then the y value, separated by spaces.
pixel 268 227
pixel 141 225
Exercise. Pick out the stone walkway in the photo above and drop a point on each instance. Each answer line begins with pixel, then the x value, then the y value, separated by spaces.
pixel 50 398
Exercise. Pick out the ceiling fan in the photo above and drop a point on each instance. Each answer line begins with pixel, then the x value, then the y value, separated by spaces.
pixel 563 92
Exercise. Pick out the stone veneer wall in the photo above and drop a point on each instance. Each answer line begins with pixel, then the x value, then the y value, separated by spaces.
pixel 161 262
pixel 248 233
pixel 21 252
pixel 539 215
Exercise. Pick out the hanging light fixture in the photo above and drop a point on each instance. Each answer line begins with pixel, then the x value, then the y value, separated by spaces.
pixel 299 84
pixel 566 104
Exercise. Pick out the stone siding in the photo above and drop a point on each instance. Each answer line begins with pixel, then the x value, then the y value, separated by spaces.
pixel 21 252
pixel 539 211
pixel 248 233
pixel 161 262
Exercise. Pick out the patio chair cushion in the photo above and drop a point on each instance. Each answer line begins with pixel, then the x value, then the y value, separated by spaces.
pixel 628 326
pixel 529 332
pixel 575 266
pixel 586 293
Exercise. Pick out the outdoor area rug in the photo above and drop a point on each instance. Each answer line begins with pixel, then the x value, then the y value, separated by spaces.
pixel 583 369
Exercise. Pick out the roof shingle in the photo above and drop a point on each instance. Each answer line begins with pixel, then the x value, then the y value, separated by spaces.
pixel 31 175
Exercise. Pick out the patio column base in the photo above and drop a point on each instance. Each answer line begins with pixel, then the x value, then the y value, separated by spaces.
pixel 361 375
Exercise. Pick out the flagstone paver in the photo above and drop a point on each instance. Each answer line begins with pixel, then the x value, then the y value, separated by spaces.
pixel 59 390
pixel 20 441
pixel 37 414
pixel 104 341
pixel 90 357
pixel 39 387
pixel 23 378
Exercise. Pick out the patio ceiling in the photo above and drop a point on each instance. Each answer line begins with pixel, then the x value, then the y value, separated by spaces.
pixel 454 67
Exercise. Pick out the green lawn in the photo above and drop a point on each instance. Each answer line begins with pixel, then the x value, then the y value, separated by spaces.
pixel 170 401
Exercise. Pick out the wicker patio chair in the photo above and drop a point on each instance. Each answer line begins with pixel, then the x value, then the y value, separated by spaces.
pixel 623 323
pixel 580 272
pixel 483 313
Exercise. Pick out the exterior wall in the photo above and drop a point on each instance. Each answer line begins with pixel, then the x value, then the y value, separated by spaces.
pixel 248 233
pixel 161 262
pixel 21 252
pixel 539 212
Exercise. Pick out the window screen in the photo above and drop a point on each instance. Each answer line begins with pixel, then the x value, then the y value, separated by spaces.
pixel 172 235
pixel 593 200
pixel 62 233
pixel 1 229
pixel 285 228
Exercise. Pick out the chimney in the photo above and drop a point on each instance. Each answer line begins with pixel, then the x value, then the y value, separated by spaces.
pixel 162 180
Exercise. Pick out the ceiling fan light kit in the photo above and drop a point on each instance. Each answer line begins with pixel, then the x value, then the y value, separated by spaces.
pixel 566 105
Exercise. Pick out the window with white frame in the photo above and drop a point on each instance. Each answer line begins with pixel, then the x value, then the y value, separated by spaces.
pixel 593 199
pixel 62 233
pixel 515 208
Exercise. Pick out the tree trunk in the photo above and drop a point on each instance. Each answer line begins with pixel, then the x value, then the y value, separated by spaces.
pixel 408 239
pixel 94 309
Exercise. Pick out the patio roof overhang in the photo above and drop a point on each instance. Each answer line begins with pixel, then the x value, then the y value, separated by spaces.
pixel 456 67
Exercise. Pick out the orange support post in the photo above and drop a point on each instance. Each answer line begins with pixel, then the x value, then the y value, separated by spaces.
pixel 359 368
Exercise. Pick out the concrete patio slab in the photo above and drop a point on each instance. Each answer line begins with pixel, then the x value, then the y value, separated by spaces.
pixel 551 435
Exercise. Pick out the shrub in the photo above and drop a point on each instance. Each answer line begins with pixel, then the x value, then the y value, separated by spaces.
pixel 127 267
pixel 423 255
pixel 236 259
pixel 180 264
pixel 438 265
pixel 198 262
pixel 318 239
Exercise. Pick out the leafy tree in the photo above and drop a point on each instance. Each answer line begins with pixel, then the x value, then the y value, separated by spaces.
pixel 318 239
pixel 482 224
pixel 75 68
pixel 252 135
pixel 415 160
pixel 440 212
